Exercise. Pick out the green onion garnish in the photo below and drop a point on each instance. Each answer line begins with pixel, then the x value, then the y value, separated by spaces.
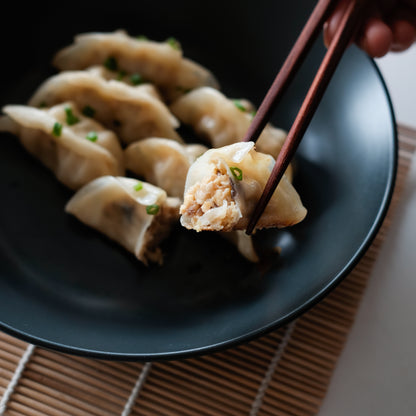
pixel 111 63
pixel 152 209
pixel 174 43
pixel 240 106
pixel 237 173
pixel 121 75
pixel 88 111
pixel 71 118
pixel 92 136
pixel 138 186
pixel 253 113
pixel 57 129
pixel 142 37
pixel 184 90
pixel 136 79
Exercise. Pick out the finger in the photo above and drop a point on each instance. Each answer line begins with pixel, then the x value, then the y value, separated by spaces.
pixel 376 38
pixel 331 26
pixel 404 34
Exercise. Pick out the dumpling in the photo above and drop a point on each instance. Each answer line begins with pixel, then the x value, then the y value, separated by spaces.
pixel 162 162
pixel 104 73
pixel 222 121
pixel 224 185
pixel 76 148
pixel 133 113
pixel 243 243
pixel 161 63
pixel 135 214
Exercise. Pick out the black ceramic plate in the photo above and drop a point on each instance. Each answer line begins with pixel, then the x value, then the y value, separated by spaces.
pixel 64 286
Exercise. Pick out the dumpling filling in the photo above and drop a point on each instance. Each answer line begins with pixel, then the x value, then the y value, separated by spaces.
pixel 209 204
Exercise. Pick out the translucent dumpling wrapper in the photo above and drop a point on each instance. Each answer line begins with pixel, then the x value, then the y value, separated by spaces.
pixel 137 215
pixel 161 63
pixel 223 121
pixel 224 185
pixel 132 112
pixel 75 148
pixel 162 162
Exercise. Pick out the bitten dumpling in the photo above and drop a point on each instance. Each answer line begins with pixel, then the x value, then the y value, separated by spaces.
pixel 162 162
pixel 132 112
pixel 224 185
pixel 75 148
pixel 135 214
pixel 161 63
pixel 222 121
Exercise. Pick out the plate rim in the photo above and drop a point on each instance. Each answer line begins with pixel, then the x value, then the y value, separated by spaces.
pixel 265 329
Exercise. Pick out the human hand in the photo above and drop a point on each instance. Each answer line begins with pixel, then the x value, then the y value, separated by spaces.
pixel 390 26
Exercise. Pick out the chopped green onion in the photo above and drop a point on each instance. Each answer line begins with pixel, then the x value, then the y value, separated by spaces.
pixel 253 113
pixel 184 90
pixel 121 75
pixel 136 79
pixel 239 105
pixel 111 63
pixel 92 136
pixel 237 173
pixel 71 118
pixel 88 111
pixel 174 43
pixel 152 209
pixel 138 186
pixel 57 129
pixel 142 37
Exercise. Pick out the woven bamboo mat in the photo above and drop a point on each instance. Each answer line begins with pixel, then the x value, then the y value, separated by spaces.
pixel 286 372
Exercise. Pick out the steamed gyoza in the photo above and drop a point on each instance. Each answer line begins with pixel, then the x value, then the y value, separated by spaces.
pixel 104 73
pixel 117 92
pixel 76 148
pixel 161 63
pixel 224 185
pixel 162 162
pixel 135 214
pixel 223 121
pixel 132 112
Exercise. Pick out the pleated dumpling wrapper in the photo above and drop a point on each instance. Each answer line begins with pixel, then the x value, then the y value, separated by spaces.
pixel 161 63
pixel 224 185
pixel 132 112
pixel 75 148
pixel 162 162
pixel 137 215
pixel 223 121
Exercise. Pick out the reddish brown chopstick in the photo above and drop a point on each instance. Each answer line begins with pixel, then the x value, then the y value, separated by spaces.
pixel 344 35
pixel 290 67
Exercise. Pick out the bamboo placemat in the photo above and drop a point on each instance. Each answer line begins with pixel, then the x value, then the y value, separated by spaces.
pixel 286 372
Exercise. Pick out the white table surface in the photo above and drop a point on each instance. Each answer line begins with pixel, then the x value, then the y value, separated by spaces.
pixel 376 373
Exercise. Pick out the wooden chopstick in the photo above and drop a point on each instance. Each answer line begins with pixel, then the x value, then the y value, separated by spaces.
pixel 345 33
pixel 290 67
